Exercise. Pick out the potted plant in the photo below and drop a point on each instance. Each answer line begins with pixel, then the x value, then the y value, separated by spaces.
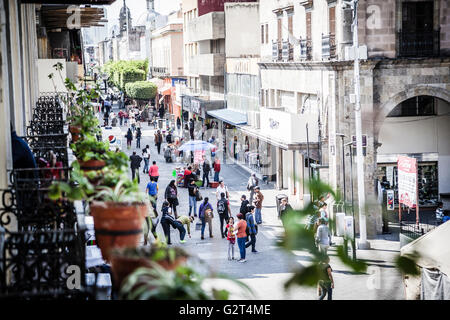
pixel 90 153
pixel 119 214
pixel 124 261
pixel 182 283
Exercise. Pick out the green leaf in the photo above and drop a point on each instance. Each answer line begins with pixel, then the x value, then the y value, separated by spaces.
pixel 355 265
pixel 220 294
pixel 407 265
pixel 307 276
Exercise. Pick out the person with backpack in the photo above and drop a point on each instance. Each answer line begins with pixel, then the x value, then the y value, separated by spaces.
pixel 171 196
pixel 252 229
pixel 205 213
pixel 192 191
pixel 135 163
pixel 251 185
pixel 206 171
pixel 222 210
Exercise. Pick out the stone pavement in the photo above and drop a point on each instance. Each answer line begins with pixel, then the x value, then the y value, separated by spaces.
pixel 266 271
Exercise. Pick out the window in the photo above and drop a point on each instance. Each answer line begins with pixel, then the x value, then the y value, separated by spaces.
pixel 415 107
pixel 262 33
pixel 308 25
pixel 332 20
pixel 290 26
pixel 215 46
pixel 280 25
pixel 267 33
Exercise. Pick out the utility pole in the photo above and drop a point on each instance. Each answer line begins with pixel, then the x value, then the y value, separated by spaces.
pixel 148 36
pixel 363 243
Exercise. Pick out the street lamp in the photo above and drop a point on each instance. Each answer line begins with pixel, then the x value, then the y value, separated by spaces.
pixel 349 144
pixel 363 243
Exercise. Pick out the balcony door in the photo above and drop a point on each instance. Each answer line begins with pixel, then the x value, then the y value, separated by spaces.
pixel 417 37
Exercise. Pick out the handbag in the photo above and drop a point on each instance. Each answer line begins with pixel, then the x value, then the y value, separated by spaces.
pixel 198 196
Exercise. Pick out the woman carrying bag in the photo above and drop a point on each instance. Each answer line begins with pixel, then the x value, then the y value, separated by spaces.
pixel 171 195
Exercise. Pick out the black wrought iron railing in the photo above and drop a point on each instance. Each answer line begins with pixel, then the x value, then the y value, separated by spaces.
pixel 419 44
pixel 45 127
pixel 287 51
pixel 328 47
pixel 277 51
pixel 305 49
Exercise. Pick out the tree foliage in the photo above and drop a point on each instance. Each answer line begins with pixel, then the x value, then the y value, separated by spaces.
pixel 122 72
pixel 141 90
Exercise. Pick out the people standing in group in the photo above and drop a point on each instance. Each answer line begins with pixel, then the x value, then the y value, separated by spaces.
pixel 129 137
pixel 185 220
pixel 205 213
pixel 171 195
pixel 241 235
pixel 158 140
pixel 192 191
pixel 206 170
pixel 216 169
pixel 258 202
pixel 153 172
pixel 135 164
pixel 252 228
pixel 326 283
pixel 152 191
pixel 222 210
pixel 252 183
pixel 231 237
pixel 138 137
pixel 146 157
pixel 323 236
pixel 244 205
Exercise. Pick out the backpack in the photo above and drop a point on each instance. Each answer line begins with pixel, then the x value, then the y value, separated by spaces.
pixel 221 207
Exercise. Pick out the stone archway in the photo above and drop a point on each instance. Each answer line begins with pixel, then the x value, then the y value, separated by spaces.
pixel 395 100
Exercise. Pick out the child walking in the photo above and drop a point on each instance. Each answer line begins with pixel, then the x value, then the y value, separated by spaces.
pixel 231 237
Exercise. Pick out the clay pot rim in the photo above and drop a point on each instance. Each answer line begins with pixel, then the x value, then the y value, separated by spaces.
pixel 81 162
pixel 74 129
pixel 96 203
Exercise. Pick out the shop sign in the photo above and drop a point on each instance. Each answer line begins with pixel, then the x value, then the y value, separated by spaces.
pixel 407 181
pixel 195 106
pixel 186 103
pixel 390 199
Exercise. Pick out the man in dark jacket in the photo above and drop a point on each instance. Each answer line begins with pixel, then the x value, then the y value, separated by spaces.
pixel 244 205
pixel 135 163
pixel 158 140
pixel 252 229
pixel 222 210
pixel 206 171
pixel 191 128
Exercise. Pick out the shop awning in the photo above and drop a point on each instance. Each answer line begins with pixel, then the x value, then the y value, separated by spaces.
pixel 166 90
pixel 229 116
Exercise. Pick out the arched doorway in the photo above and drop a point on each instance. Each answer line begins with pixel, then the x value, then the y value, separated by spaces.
pixel 417 126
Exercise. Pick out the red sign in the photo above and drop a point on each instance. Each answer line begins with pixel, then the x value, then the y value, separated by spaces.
pixel 407 181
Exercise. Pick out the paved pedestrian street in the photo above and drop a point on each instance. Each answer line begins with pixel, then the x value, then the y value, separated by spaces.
pixel 267 271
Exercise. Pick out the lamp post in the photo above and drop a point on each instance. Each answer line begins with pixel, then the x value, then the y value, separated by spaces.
pixel 363 243
pixel 349 144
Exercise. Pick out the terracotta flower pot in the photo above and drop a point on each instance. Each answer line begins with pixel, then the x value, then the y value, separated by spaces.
pixel 92 165
pixel 75 131
pixel 117 225
pixel 122 266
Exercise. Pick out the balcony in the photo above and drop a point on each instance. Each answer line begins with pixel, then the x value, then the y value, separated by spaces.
pixel 287 51
pixel 207 27
pixel 419 44
pixel 211 64
pixel 276 51
pixel 160 72
pixel 289 127
pixel 328 47
pixel 305 49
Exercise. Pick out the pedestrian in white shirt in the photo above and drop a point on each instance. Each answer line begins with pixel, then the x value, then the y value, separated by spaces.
pixel 323 236
pixel 222 188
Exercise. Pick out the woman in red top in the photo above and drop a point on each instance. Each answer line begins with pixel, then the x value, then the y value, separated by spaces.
pixel 153 172
pixel 216 170
pixel 241 235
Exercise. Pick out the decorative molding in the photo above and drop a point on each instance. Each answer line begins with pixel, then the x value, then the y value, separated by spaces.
pixel 332 3
pixel 308 4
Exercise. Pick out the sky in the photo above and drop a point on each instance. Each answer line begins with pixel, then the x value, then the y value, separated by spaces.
pixel 138 9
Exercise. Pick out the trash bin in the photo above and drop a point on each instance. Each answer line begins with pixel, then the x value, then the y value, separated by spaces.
pixel 278 199
pixel 340 224
pixel 160 123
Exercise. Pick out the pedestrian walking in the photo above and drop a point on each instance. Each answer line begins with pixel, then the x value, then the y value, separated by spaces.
pixel 158 140
pixel 439 213
pixel 259 198
pixel 121 116
pixel 178 124
pixel 251 184
pixel 135 164
pixel 222 210
pixel 152 191
pixel 191 128
pixel 171 195
pixel 244 205
pixel 192 192
pixel 323 236
pixel 151 222
pixel 285 207
pixel 138 137
pixel 206 171
pixel 146 157
pixel 231 238
pixel 241 235
pixel 216 169
pixel 326 284
pixel 106 118
pixel 185 220
pixel 252 228
pixel 205 213
pixel 222 188
pixel 153 172
pixel 129 137
pixel 166 220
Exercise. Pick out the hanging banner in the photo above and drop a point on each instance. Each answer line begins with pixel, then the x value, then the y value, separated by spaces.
pixel 407 181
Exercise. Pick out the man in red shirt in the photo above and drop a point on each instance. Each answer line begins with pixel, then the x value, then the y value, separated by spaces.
pixel 153 172
pixel 216 169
